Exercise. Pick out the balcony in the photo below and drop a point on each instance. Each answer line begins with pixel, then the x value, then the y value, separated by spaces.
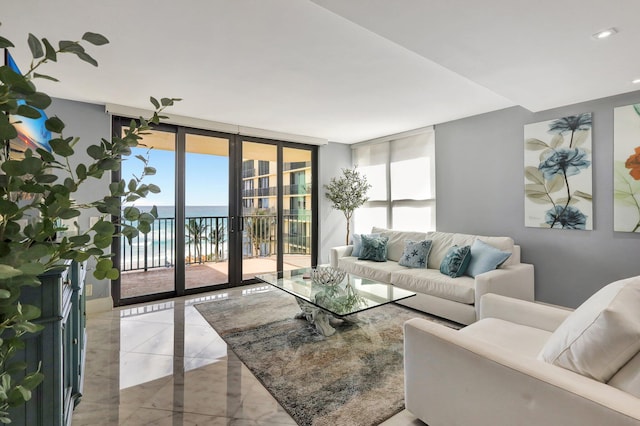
pixel 148 263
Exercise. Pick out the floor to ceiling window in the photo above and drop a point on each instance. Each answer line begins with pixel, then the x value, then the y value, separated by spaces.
pixel 147 264
pixel 401 171
pixel 230 207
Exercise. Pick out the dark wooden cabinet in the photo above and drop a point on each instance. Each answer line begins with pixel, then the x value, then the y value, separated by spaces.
pixel 60 347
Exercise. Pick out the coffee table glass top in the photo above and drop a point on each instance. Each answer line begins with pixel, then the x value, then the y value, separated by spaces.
pixel 354 294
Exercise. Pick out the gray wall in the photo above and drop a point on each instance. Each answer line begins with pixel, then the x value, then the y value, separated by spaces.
pixel 332 158
pixel 90 123
pixel 480 190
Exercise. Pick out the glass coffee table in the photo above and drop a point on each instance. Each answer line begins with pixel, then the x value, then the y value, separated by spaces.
pixel 320 303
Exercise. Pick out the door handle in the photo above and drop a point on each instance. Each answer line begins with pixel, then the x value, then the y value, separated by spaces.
pixel 232 220
pixel 241 223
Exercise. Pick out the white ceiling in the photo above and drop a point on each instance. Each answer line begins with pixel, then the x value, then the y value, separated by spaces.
pixel 345 71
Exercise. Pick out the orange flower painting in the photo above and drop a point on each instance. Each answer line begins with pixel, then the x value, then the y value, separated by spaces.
pixel 626 168
pixel 633 163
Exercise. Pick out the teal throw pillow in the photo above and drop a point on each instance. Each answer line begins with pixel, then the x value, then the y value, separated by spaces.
pixel 485 258
pixel 357 243
pixel 374 248
pixel 415 254
pixel 456 261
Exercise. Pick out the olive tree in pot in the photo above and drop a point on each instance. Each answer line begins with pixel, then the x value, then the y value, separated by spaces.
pixel 37 191
pixel 347 193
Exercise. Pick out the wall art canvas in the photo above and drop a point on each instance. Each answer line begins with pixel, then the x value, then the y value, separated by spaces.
pixel 626 168
pixel 32 132
pixel 558 177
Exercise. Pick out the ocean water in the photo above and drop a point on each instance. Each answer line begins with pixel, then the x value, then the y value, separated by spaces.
pixel 190 211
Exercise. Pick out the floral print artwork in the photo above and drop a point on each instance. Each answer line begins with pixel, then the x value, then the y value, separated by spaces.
pixel 558 178
pixel 626 168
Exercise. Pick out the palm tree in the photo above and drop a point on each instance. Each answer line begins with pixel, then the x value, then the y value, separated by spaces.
pixel 259 227
pixel 217 236
pixel 196 230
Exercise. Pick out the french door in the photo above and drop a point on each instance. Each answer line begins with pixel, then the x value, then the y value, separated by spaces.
pixel 231 207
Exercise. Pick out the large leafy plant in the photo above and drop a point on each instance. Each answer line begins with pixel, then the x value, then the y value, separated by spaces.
pixel 347 193
pixel 37 193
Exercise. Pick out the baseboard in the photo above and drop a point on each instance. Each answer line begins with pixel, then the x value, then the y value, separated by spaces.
pixel 101 304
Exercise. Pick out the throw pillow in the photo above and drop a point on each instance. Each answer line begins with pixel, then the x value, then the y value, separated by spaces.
pixel 415 254
pixel 485 258
pixel 456 261
pixel 374 248
pixel 357 243
pixel 599 337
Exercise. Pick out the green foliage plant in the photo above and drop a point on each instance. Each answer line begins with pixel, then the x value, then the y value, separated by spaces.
pixel 348 192
pixel 37 193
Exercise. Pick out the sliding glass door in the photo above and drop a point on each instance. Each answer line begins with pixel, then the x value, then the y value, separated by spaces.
pixel 299 205
pixel 277 208
pixel 259 209
pixel 147 264
pixel 206 209
pixel 230 208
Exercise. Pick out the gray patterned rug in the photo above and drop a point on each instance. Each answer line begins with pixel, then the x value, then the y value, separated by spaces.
pixel 354 377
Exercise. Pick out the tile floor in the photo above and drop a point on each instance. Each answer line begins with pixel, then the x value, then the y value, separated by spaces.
pixel 162 364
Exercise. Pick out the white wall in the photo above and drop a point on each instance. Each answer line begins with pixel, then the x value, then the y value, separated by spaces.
pixel 332 158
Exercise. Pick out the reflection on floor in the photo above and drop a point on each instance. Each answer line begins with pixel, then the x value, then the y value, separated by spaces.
pixel 162 364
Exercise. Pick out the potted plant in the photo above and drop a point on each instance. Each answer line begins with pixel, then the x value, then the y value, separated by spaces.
pixel 37 191
pixel 347 193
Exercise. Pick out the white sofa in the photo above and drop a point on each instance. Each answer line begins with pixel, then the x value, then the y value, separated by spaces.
pixel 438 294
pixel 489 373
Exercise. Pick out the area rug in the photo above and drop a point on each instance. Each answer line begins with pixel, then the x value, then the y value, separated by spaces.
pixel 354 377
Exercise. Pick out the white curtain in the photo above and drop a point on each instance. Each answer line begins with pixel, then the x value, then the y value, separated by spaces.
pixel 401 171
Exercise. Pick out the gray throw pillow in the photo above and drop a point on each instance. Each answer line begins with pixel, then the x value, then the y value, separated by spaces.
pixel 415 254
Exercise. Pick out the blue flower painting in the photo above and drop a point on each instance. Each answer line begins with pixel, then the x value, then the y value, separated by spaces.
pixel 558 179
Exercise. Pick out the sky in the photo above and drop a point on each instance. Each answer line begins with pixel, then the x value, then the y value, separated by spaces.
pixel 207 178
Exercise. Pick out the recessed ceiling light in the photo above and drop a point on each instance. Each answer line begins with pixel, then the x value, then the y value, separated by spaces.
pixel 604 33
pixel 636 81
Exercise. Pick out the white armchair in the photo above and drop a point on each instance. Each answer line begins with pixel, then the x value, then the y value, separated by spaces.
pixel 489 373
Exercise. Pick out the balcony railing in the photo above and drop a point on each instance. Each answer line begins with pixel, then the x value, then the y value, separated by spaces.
pixel 296 189
pixel 259 192
pixel 296 165
pixel 206 240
